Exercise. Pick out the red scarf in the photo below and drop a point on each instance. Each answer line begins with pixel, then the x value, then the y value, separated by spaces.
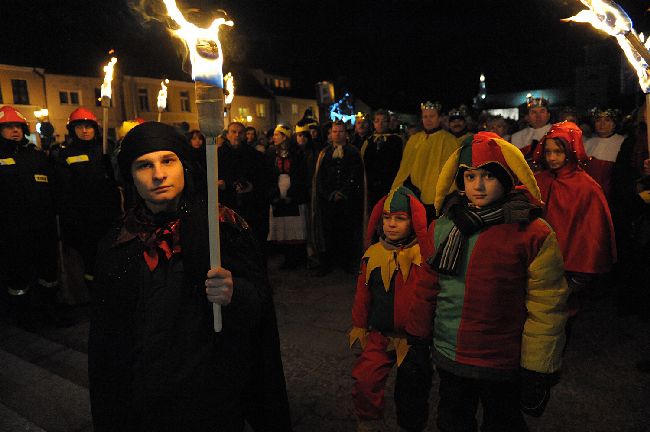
pixel 165 239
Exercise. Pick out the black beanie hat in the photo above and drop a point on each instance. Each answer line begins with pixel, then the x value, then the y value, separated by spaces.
pixel 146 138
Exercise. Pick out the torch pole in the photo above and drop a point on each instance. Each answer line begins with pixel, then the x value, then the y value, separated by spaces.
pixel 106 102
pixel 647 120
pixel 159 115
pixel 209 102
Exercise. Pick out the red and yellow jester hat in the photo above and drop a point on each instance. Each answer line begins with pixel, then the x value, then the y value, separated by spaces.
pixel 571 136
pixel 486 148
pixel 401 199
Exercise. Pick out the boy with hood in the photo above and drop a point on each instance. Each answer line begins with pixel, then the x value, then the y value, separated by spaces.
pixel 575 206
pixel 500 305
pixel 385 291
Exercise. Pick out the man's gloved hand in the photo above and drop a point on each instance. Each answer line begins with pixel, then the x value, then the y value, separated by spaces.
pixel 535 391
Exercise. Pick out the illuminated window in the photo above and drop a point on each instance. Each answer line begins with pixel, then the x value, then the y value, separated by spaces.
pixel 185 101
pixel 260 110
pixel 67 97
pixel 276 83
pixel 21 94
pixel 143 99
pixel 243 112
pixel 294 108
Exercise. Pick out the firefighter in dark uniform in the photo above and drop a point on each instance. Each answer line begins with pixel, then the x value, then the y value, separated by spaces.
pixel 85 190
pixel 28 245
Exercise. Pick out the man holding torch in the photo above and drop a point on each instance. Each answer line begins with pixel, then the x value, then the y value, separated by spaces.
pixel 154 360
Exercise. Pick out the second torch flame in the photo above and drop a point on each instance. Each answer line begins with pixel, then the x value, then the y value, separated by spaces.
pixel 162 95
pixel 106 90
pixel 229 82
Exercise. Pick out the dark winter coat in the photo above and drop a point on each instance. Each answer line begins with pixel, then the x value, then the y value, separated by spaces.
pixel 85 191
pixel 28 246
pixel 154 361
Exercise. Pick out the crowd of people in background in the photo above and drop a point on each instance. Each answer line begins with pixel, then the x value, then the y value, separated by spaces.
pixel 318 193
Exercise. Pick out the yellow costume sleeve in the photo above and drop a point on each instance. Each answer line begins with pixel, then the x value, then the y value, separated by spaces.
pixel 543 338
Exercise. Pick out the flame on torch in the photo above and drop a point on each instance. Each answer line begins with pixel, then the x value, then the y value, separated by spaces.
pixel 229 82
pixel 106 89
pixel 162 95
pixel 607 16
pixel 203 44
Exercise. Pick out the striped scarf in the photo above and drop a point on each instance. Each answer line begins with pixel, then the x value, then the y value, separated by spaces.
pixel 514 208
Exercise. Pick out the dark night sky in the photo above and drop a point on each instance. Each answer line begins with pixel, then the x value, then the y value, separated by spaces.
pixel 390 53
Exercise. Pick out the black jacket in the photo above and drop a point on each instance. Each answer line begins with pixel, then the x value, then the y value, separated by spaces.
pixel 154 361
pixel 28 245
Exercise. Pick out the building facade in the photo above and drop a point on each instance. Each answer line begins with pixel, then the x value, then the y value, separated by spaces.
pixel 31 90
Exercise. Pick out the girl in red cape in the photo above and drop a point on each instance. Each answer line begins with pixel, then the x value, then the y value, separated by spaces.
pixel 576 208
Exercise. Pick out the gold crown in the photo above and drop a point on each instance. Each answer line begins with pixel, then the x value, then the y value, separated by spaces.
pixel 431 105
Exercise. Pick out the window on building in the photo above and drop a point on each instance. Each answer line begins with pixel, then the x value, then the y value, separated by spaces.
pixel 243 112
pixel 276 83
pixel 294 108
pixel 143 99
pixel 260 110
pixel 287 84
pixel 21 94
pixel 67 97
pixel 185 101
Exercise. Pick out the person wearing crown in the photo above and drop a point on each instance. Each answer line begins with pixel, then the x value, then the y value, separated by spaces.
pixel 603 148
pixel 458 126
pixel 424 155
pixel 537 117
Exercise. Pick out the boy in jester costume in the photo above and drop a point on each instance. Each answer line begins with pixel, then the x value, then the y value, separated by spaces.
pixel 496 281
pixel 385 290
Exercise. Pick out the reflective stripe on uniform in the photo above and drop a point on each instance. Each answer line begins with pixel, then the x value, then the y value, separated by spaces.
pixel 8 161
pixel 15 292
pixel 89 277
pixel 40 178
pixel 48 284
pixel 76 159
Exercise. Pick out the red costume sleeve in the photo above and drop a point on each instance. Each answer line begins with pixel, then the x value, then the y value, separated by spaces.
pixel 361 304
pixel 426 289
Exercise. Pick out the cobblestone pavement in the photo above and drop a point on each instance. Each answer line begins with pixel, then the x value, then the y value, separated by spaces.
pixel 43 378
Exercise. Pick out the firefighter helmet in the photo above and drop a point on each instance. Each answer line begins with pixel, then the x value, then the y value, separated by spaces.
pixel 9 114
pixel 81 115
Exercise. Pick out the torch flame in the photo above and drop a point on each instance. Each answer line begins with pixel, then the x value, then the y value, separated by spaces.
pixel 609 17
pixel 162 95
pixel 203 44
pixel 229 81
pixel 604 15
pixel 106 89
